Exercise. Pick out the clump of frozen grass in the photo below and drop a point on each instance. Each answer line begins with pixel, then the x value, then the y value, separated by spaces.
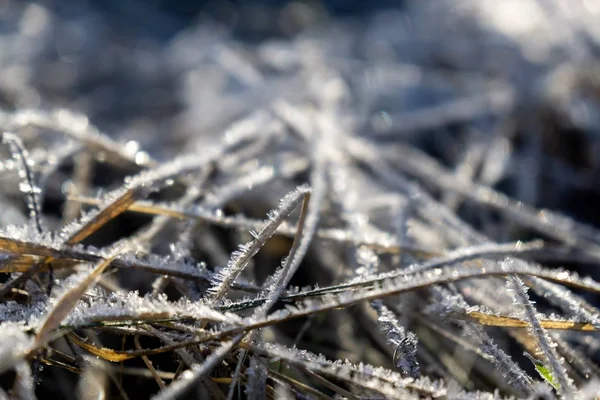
pixel 409 176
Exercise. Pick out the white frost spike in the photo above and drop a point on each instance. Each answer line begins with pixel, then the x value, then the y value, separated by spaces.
pixel 405 354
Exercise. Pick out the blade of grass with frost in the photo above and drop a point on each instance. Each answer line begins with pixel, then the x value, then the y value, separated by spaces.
pixel 449 304
pixel 566 299
pixel 405 343
pixel 342 300
pixel 383 244
pixel 264 309
pixel 294 387
pixel 484 348
pixel 140 186
pixel 569 302
pixel 129 306
pixel 489 319
pixel 116 203
pixel 277 283
pixel 509 369
pixel 150 180
pixel 94 221
pixel 27 185
pixel 566 388
pixel 170 266
pixel 159 223
pixel 162 265
pixel 435 178
pixel 577 357
pixel 137 187
pixel 549 223
pixel 419 280
pixel 78 128
pixel 241 257
pixel 331 386
pixel 389 383
pixel 387 287
pixel 67 302
pixel 451 258
pixel 309 219
pixel 188 359
pixel 16 243
pixel 189 378
pixel 236 374
pixel 30 188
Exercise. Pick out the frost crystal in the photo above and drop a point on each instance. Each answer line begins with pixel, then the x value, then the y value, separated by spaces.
pixel 405 343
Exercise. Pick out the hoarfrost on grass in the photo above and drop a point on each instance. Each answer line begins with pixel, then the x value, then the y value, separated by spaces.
pixel 435 138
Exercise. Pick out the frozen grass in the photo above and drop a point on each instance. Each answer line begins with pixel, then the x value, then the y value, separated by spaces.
pixel 400 205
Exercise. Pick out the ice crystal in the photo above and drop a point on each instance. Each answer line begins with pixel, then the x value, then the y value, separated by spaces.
pixel 405 343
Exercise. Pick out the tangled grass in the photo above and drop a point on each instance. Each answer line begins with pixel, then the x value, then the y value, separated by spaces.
pixel 365 209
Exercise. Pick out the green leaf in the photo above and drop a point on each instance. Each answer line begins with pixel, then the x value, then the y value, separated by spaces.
pixel 543 371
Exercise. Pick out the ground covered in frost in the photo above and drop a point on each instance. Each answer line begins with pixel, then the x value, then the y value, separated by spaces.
pixel 278 200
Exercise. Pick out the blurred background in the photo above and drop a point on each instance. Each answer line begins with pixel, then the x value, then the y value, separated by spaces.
pixel 515 80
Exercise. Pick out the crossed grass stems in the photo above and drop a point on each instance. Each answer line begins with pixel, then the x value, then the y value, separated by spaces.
pixel 203 341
